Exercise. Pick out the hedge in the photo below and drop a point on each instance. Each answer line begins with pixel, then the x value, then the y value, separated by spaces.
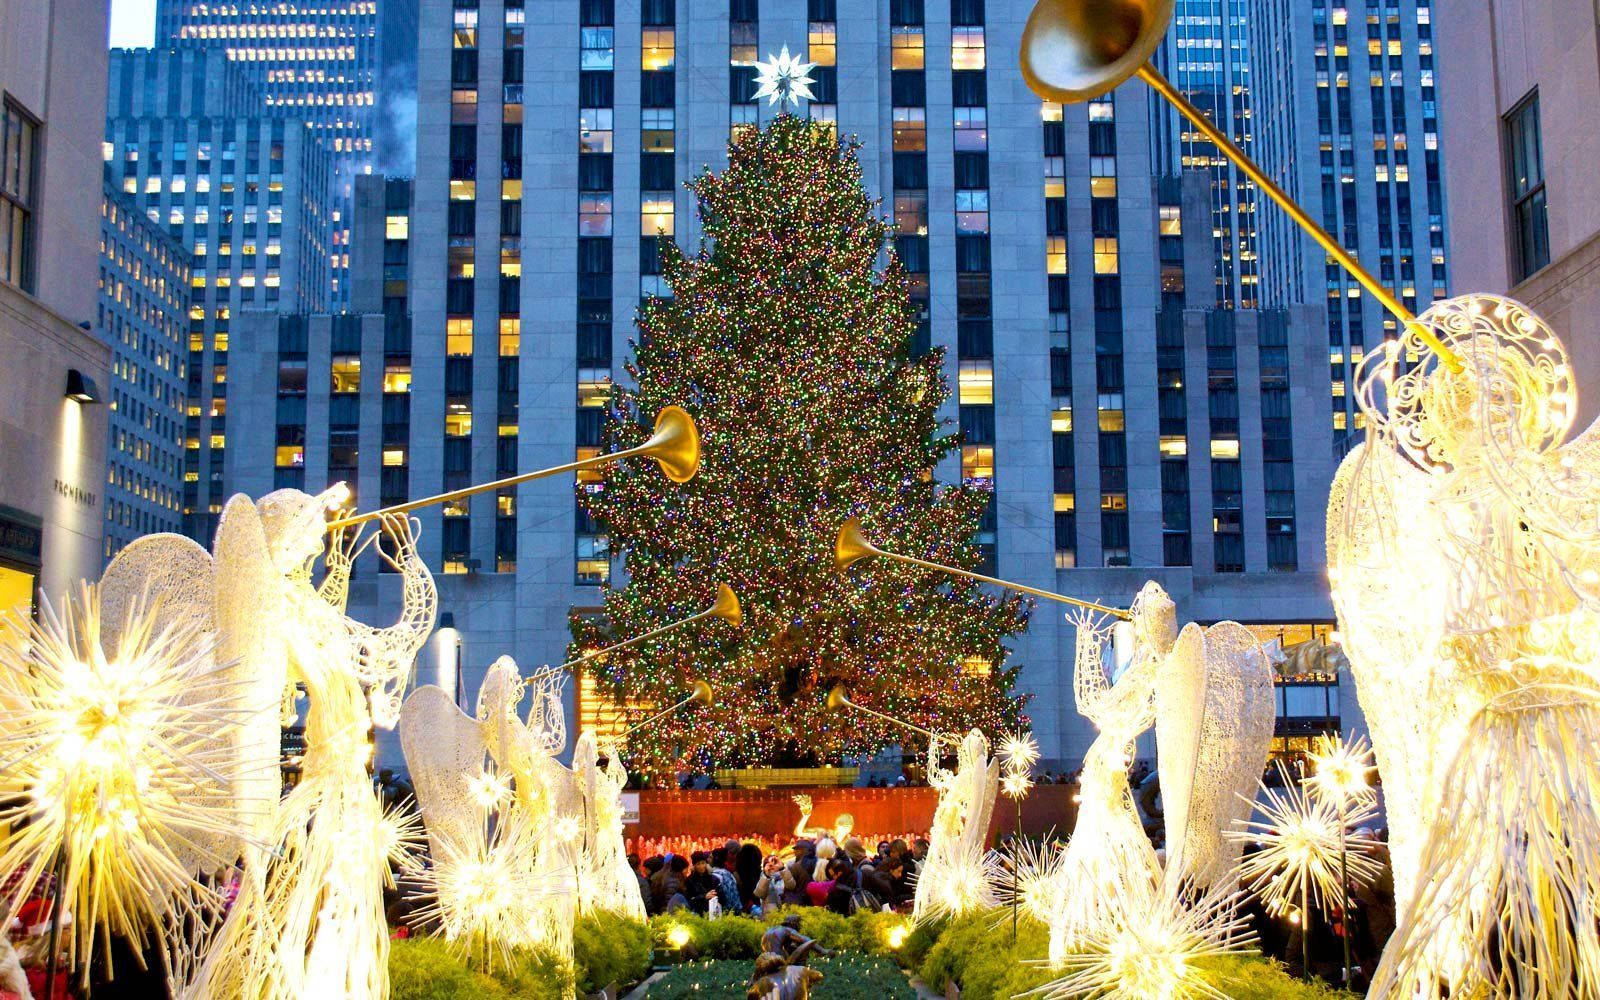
pixel 606 948
pixel 844 977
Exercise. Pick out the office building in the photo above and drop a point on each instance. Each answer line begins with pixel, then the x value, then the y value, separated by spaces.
pixel 52 386
pixel 1128 433
pixel 345 67
pixel 1347 121
pixel 247 196
pixel 1206 54
pixel 1525 97
pixel 144 316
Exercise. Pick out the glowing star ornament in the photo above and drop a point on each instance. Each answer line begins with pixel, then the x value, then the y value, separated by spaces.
pixel 784 78
pixel 1298 857
pixel 1155 947
pixel 1026 876
pixel 1341 770
pixel 113 759
pixel 1019 752
pixel 1467 473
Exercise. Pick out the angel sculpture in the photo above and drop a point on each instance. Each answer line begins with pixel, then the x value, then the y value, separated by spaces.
pixel 951 879
pixel 1466 517
pixel 1208 691
pixel 606 881
pixel 311 923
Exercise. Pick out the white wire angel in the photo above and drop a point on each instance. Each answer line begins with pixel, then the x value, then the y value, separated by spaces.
pixel 1465 555
pixel 951 880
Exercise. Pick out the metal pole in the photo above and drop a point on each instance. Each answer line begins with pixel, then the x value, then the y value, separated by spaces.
pixel 1016 832
pixel 1344 887
pixel 1305 928
pixel 996 581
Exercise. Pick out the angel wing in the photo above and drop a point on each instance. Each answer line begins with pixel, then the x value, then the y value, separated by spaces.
pixel 1391 587
pixel 171 571
pixel 444 750
pixel 980 773
pixel 1218 684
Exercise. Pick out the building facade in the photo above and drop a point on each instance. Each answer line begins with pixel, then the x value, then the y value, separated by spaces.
pixel 1206 54
pixel 341 66
pixel 1526 218
pixel 1130 430
pixel 144 316
pixel 1347 121
pixel 52 412
pixel 248 197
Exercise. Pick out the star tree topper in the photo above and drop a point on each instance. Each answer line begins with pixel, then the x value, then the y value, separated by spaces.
pixel 784 78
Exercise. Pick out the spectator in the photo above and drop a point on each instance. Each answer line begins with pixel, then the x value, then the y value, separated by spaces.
pixel 844 888
pixel 668 887
pixel 727 884
pixel 748 867
pixel 776 883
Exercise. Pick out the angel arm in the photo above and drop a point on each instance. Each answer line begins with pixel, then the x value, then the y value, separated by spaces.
pixel 387 653
pixel 343 548
pixel 1089 682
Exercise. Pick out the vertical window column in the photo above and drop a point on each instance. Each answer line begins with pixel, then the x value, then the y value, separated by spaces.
pixel 596 85
pixel 1277 441
pixel 908 87
pixel 743 33
pixel 974 295
pixel 822 36
pixel 1227 485
pixel 460 291
pixel 508 340
pixel 1110 377
pixel 1172 400
pixel 1060 327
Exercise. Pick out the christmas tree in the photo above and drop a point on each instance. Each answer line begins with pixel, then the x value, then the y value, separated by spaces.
pixel 791 348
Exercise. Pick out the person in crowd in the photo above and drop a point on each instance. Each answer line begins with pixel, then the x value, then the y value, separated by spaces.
pixel 845 896
pixel 668 887
pixel 727 884
pixel 701 886
pixel 919 851
pixel 747 871
pixel 818 888
pixel 775 882
pixel 800 869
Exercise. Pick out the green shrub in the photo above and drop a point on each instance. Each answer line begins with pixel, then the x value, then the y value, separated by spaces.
pixel 844 977
pixel 426 968
pixel 608 948
pixel 1255 978
pixel 537 974
pixel 725 937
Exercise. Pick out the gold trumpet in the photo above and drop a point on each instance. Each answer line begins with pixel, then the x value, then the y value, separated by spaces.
pixel 675 445
pixel 839 698
pixel 852 546
pixel 725 607
pixel 699 694
pixel 1076 50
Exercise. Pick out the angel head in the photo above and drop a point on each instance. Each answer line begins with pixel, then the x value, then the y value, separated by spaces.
pixel 296 524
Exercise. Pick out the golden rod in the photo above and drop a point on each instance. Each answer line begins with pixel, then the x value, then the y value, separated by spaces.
pixel 838 696
pixel 726 608
pixel 852 546
pixel 701 692
pixel 675 445
pixel 1161 85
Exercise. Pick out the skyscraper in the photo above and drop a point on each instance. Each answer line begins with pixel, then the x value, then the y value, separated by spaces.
pixel 246 193
pixel 1207 55
pixel 325 62
pixel 1348 123
pixel 1127 434
pixel 144 316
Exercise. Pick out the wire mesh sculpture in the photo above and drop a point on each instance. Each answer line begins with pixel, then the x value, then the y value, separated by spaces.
pixel 951 880
pixel 1465 509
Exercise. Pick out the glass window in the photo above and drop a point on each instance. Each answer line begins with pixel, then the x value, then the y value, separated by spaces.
pixel 594 130
pixel 972 129
pixel 346 372
pixel 597 48
pixel 905 48
pixel 510 336
pixel 1105 255
pixel 457 420
pixel 594 215
pixel 656 128
pixel 977 462
pixel 910 130
pixel 823 37
pixel 397 376
pixel 966 48
pixel 458 337
pixel 972 211
pixel 911 212
pixel 1531 248
pixel 657 49
pixel 976 380
pixel 1055 255
pixel 655 214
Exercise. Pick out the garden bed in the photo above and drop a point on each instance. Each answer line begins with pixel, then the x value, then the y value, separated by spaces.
pixel 844 977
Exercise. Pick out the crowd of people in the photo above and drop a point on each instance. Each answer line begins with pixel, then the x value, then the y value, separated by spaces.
pixel 741 876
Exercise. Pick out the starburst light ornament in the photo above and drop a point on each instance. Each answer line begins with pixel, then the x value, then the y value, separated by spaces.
pixel 784 78
pixel 1341 770
pixel 1297 861
pixel 113 757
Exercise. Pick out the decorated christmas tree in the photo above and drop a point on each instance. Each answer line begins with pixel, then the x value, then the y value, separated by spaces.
pixel 791 347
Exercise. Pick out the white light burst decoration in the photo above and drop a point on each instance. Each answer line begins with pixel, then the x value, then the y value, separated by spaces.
pixel 114 759
pixel 1153 948
pixel 1297 862
pixel 1019 752
pixel 1027 875
pixel 784 78
pixel 1342 770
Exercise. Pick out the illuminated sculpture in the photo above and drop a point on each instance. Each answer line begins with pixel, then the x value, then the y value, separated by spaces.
pixel 951 879
pixel 115 744
pixel 843 823
pixel 312 922
pixel 1465 511
pixel 607 881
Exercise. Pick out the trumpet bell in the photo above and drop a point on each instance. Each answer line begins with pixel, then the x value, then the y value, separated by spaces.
pixel 1076 50
pixel 675 445
pixel 701 694
pixel 838 698
pixel 726 606
pixel 851 546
